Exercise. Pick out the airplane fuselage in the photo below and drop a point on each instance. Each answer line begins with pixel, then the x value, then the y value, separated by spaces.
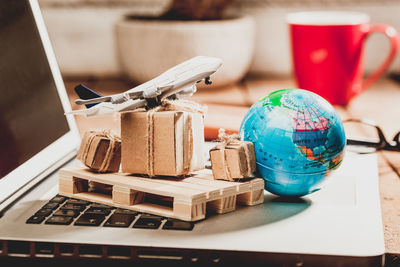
pixel 183 75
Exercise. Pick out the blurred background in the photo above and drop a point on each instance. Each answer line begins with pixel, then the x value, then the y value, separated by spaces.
pixel 85 37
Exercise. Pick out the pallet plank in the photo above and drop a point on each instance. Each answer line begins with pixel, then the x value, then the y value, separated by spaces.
pixel 140 183
pixel 205 176
pixel 185 198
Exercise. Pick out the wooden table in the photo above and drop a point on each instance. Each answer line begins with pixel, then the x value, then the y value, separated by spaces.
pixel 380 103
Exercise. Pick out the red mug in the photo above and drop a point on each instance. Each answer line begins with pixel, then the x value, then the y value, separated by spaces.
pixel 327 52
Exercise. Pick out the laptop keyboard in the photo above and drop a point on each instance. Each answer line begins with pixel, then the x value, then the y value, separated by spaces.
pixel 62 210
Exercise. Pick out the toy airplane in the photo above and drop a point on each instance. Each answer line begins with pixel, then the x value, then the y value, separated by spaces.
pixel 174 83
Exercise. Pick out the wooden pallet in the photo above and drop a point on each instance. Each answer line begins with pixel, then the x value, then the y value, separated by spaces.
pixel 182 198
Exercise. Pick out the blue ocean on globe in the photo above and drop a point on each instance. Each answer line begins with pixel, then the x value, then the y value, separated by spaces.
pixel 298 139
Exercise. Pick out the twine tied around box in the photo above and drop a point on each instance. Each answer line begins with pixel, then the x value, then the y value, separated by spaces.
pixel 226 139
pixel 173 105
pixel 232 141
pixel 110 150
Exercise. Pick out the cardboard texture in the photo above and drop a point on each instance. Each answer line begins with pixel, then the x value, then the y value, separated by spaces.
pixel 233 161
pixel 169 143
pixel 100 151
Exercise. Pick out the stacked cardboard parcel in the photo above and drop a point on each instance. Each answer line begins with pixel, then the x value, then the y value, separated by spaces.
pixel 167 140
pixel 100 151
pixel 232 159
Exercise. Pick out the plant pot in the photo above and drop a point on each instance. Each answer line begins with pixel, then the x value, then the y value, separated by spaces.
pixel 148 47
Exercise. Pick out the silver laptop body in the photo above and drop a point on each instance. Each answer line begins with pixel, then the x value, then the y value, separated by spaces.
pixel 339 225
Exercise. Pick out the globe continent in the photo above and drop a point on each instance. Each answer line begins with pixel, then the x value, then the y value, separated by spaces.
pixel 298 139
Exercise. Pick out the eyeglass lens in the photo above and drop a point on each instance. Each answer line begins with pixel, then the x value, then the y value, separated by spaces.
pixel 369 135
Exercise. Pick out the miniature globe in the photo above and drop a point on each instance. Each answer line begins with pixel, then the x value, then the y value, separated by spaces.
pixel 298 139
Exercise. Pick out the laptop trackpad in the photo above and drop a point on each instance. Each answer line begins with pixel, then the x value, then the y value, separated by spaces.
pixel 338 191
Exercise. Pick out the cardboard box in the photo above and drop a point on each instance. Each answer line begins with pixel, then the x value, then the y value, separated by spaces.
pixel 100 151
pixel 169 143
pixel 233 161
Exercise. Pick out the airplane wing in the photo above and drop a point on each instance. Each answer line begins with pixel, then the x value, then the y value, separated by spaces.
pixel 109 108
pixel 96 110
pixel 187 92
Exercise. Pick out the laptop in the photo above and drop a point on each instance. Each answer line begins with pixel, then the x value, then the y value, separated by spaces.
pixel 339 225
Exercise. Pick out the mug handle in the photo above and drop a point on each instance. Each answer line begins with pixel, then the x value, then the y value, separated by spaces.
pixel 393 37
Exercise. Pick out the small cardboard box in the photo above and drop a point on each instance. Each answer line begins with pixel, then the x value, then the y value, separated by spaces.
pixel 100 151
pixel 233 161
pixel 169 143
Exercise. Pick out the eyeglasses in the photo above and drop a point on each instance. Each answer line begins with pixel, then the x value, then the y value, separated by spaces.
pixel 377 142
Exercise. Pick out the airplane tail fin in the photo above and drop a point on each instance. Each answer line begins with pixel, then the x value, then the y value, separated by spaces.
pixel 86 93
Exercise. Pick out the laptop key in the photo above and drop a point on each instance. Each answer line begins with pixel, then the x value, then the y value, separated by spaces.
pixel 151 216
pixel 119 220
pixel 126 211
pixel 173 224
pixel 147 222
pixel 60 220
pixel 44 212
pixel 89 220
pixel 101 206
pixel 35 219
pixel 58 199
pixel 67 206
pixel 77 202
pixel 70 213
pixel 51 205
pixel 98 211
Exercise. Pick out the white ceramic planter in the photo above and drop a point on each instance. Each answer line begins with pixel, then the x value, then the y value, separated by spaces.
pixel 148 47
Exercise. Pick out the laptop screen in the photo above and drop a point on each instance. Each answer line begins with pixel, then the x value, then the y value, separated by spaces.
pixel 31 113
